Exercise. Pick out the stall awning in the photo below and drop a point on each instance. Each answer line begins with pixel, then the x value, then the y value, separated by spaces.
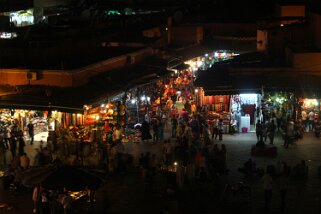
pixel 211 92
pixel 100 87
pixel 181 67
pixel 221 82
pixel 37 102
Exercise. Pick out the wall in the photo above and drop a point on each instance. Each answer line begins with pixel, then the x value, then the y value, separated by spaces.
pixel 183 35
pixel 81 76
pixel 231 29
pixel 71 78
pixel 314 21
pixel 280 37
pixel 261 39
pixel 307 61
pixel 47 77
pixel 290 11
pixel 152 32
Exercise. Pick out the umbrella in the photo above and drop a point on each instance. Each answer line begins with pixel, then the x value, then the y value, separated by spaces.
pixel 57 177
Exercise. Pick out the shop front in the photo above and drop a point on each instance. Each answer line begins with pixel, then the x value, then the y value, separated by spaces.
pixel 246 106
pixel 308 105
pixel 208 59
pixel 45 123
pixel 240 110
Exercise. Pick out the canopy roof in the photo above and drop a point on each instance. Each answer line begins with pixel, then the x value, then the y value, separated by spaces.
pixel 100 87
pixel 251 75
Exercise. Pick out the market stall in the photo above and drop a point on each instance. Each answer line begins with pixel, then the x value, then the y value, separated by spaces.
pixel 240 109
pixel 213 118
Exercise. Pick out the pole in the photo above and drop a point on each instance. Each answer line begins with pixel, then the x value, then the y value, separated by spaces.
pixel 137 111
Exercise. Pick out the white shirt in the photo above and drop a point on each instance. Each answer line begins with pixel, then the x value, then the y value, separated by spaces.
pixel 147 118
pixel 311 115
pixel 8 133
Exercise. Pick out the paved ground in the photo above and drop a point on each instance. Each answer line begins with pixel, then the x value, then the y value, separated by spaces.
pixel 129 194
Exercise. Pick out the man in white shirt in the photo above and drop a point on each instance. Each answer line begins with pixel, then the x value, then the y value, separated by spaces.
pixel 311 120
pixel 304 119
pixel 147 118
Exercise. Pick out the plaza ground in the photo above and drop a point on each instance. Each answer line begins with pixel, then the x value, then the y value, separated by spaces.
pixel 128 193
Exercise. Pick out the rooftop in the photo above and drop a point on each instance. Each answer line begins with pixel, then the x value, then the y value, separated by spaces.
pixel 100 87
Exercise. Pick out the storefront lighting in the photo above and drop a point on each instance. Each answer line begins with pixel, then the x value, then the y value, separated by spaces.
pixel 86 107
pixel 175 163
pixel 316 103
pixel 178 92
pixel 216 54
pixel 97 117
pixel 102 105
pixel 52 125
pixel 199 63
pixel 143 98
pixel 148 99
pixel 133 101
pixel 107 106
pixel 196 90
pixel 206 55
pixel 78 115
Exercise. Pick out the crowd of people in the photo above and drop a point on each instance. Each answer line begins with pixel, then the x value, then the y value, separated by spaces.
pixel 291 129
pixel 195 151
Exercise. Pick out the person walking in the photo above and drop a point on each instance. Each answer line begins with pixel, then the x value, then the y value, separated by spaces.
pixel 271 131
pixel 7 136
pixel 156 131
pixel 22 145
pixel 13 146
pixel 31 132
pixel 215 130
pixel 258 131
pixel 283 181
pixel 220 130
pixel 174 122
pixel 278 116
pixel 161 127
pixel 311 120
pixel 304 117
pixel 267 186
pixel 145 131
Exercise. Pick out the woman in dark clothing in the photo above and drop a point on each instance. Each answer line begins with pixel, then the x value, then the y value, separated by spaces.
pixel 22 145
pixel 145 131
